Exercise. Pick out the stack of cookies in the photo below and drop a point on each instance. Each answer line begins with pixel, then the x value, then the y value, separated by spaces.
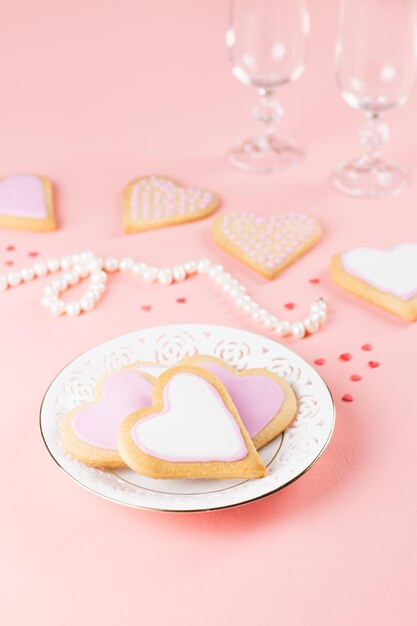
pixel 199 419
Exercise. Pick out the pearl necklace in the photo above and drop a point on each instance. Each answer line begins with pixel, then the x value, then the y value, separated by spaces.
pixel 79 266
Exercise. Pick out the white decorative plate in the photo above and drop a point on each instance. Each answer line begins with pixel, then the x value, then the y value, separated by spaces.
pixel 288 457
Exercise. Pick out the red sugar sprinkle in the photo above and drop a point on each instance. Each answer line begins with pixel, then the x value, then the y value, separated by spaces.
pixel 290 306
pixel 320 361
pixel 8 262
pixel 355 378
pixel 10 248
pixel 374 364
pixel 314 281
pixel 347 398
pixel 146 307
pixel 345 356
pixel 366 347
pixel 181 300
pixel 33 254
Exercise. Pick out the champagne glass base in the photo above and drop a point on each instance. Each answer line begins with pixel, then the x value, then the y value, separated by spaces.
pixel 265 154
pixel 370 177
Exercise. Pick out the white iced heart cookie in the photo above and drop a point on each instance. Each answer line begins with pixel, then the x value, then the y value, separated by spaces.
pixel 193 430
pixel 26 203
pixel 387 278
pixel 157 201
pixel 267 244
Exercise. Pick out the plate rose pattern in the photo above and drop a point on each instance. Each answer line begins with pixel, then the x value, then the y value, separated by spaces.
pixel 287 457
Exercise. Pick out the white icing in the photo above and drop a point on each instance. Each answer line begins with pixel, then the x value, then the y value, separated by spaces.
pixel 194 425
pixel 391 271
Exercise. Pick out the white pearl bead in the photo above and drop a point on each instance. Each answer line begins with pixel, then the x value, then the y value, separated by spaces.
pixel 283 328
pixel 179 273
pixel 239 302
pixel 247 307
pixel 150 274
pixel 322 316
pixel 57 308
pixel 190 267
pixel 87 303
pixel 97 288
pixel 92 294
pixel 268 321
pixel 61 284
pixel 255 316
pixel 53 265
pixel 75 258
pixel 72 278
pixel 203 266
pixel 138 268
pixel 86 256
pixel 50 290
pixel 72 308
pixel 165 276
pixel 14 279
pixel 214 270
pixel 98 278
pixel 4 283
pixel 81 269
pixel 311 325
pixel 263 314
pixel 126 264
pixel 40 269
pixel 27 274
pixel 111 264
pixel 315 308
pixel 66 262
pixel 95 265
pixel 46 302
pixel 298 330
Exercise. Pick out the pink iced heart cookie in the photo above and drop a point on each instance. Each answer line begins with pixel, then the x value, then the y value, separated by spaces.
pixel 192 430
pixel 387 278
pixel 26 203
pixel 265 402
pixel 156 201
pixel 89 432
pixel 267 244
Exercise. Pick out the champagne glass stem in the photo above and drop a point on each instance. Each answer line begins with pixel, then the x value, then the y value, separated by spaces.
pixel 373 135
pixel 268 111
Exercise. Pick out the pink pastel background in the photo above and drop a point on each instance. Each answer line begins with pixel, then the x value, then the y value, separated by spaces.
pixel 94 94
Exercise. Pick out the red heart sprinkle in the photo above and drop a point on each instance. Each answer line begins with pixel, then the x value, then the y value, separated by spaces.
pixel 8 262
pixel 347 398
pixel 10 248
pixel 374 364
pixel 320 361
pixel 355 378
pixel 314 281
pixel 33 254
pixel 146 307
pixel 181 300
pixel 290 306
pixel 345 356
pixel 366 347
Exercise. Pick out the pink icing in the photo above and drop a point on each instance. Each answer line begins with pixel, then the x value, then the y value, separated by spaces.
pixel 23 196
pixel 123 393
pixel 257 398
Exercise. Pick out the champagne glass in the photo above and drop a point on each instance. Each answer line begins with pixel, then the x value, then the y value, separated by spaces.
pixel 267 46
pixel 375 70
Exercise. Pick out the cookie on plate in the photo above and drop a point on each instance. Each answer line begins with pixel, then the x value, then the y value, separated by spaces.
pixel 267 244
pixel 26 203
pixel 193 430
pixel 89 431
pixel 386 278
pixel 156 201
pixel 266 403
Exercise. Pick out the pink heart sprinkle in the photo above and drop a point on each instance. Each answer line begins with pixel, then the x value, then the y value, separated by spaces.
pixel 8 262
pixel 181 300
pixel 374 364
pixel 290 306
pixel 355 377
pixel 366 347
pixel 33 254
pixel 320 361
pixel 347 398
pixel 345 356
pixel 146 307
pixel 10 248
pixel 314 281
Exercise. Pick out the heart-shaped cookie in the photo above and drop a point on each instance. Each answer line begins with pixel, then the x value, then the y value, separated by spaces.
pixel 193 430
pixel 267 244
pixel 89 432
pixel 157 201
pixel 26 203
pixel 265 402
pixel 387 278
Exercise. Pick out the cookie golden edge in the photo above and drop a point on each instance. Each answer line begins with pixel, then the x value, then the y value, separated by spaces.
pixel 281 419
pixel 153 467
pixel 238 254
pixel 406 310
pixel 131 226
pixel 43 224
pixel 80 449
